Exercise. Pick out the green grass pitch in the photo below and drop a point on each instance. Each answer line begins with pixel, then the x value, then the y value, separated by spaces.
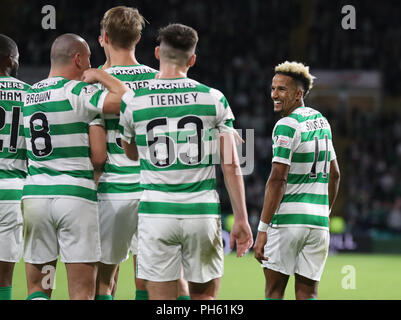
pixel 369 277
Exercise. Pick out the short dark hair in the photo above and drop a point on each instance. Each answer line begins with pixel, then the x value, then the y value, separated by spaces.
pixel 7 46
pixel 178 36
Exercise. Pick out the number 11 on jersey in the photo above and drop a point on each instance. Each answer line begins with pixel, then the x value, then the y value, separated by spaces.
pixel 313 172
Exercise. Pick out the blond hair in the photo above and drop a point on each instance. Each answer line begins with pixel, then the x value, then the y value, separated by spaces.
pixel 299 72
pixel 123 26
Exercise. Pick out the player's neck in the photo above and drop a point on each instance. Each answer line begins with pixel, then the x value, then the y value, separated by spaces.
pixel 172 71
pixel 106 65
pixel 296 106
pixel 122 57
pixel 65 73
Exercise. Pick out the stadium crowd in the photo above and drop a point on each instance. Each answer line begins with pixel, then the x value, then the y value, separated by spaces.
pixel 239 45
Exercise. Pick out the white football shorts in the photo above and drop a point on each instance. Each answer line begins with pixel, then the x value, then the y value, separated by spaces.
pixel 167 243
pixel 60 225
pixel 118 223
pixel 11 232
pixel 300 250
pixel 134 243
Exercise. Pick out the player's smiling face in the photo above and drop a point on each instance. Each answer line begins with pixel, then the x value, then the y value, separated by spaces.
pixel 285 94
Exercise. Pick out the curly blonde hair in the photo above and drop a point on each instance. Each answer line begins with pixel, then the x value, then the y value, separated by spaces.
pixel 298 71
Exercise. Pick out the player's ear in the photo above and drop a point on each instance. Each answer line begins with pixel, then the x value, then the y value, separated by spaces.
pixel 300 93
pixel 106 38
pixel 157 52
pixel 77 60
pixel 100 39
pixel 192 60
pixel 137 40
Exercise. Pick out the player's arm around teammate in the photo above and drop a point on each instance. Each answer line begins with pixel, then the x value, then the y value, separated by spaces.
pixel 70 57
pixel 115 87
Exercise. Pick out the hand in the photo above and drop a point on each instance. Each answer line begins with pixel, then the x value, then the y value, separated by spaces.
pixel 238 139
pixel 241 235
pixel 259 248
pixel 91 75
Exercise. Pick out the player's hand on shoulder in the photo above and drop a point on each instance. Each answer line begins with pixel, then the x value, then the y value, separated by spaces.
pixel 259 246
pixel 92 75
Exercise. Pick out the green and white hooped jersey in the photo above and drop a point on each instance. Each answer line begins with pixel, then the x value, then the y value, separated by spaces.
pixel 303 141
pixel 175 123
pixel 120 179
pixel 57 112
pixel 12 140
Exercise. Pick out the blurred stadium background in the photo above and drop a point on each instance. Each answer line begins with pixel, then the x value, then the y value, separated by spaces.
pixel 358 87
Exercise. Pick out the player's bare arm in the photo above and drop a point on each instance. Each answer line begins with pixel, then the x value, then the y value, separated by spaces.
pixel 274 191
pixel 241 233
pixel 334 182
pixel 97 142
pixel 115 87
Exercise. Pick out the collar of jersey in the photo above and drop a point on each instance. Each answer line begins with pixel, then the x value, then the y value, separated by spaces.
pixel 166 79
pixel 303 106
pixel 126 66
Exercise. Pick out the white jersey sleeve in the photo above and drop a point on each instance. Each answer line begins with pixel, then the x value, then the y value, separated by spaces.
pixel 98 121
pixel 286 138
pixel 126 124
pixel 86 99
pixel 224 115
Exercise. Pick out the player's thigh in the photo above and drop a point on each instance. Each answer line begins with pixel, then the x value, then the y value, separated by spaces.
pixel 118 220
pixel 204 291
pixel 10 232
pixel 305 288
pixel 159 248
pixel 77 230
pixel 312 258
pixel 39 231
pixel 81 280
pixel 282 248
pixel 276 283
pixel 203 253
pixel 41 277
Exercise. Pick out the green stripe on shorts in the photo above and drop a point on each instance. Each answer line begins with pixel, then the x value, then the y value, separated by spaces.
pixel 179 208
pixel 307 219
pixel 307 198
pixel 113 187
pixel 60 190
pixel 209 184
